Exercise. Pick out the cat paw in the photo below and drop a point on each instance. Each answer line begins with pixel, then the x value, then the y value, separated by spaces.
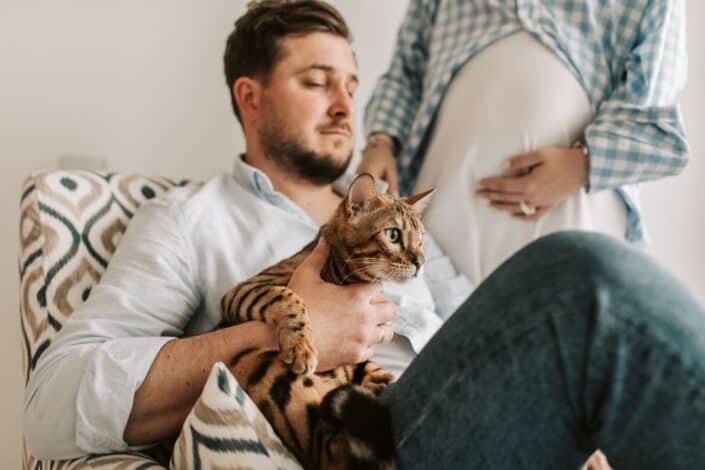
pixel 376 381
pixel 297 351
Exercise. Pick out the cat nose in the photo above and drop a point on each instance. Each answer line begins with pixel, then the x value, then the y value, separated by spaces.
pixel 417 261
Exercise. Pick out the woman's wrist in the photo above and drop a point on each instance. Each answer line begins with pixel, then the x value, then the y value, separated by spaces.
pixel 585 157
pixel 380 139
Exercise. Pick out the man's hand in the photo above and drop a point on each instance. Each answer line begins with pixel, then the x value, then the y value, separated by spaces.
pixel 551 175
pixel 346 320
pixel 378 160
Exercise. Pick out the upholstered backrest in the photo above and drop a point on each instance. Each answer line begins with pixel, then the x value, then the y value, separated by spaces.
pixel 70 224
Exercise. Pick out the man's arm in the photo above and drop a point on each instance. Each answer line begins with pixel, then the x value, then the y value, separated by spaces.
pixel 344 325
pixel 178 375
pixel 116 373
pixel 80 393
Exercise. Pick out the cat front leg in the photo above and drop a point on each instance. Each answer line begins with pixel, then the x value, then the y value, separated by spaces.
pixel 238 305
pixel 285 310
pixel 280 307
pixel 373 377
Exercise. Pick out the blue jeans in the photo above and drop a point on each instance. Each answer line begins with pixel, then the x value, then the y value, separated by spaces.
pixel 577 342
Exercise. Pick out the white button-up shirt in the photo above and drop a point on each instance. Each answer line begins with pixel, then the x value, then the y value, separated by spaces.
pixel 180 254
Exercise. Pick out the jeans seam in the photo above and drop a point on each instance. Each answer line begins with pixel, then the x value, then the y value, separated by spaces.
pixel 632 329
pixel 438 396
pixel 665 351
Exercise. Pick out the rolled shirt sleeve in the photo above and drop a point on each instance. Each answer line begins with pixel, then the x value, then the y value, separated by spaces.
pixel 392 107
pixel 638 134
pixel 79 397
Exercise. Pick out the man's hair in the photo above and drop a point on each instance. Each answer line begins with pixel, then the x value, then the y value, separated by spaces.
pixel 253 48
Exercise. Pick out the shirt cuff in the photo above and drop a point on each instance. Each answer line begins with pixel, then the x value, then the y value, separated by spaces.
pixel 107 389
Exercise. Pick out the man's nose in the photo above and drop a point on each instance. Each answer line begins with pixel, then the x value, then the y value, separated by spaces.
pixel 342 105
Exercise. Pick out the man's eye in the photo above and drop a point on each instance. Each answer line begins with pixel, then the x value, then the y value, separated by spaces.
pixel 393 234
pixel 314 84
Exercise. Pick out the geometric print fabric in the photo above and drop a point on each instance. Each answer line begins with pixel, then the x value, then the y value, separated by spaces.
pixel 70 225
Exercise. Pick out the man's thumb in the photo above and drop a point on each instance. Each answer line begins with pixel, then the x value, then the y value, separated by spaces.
pixel 317 259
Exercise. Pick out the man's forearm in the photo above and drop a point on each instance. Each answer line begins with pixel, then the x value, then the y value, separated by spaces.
pixel 178 375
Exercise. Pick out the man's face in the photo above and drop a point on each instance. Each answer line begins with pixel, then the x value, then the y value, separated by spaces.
pixel 306 119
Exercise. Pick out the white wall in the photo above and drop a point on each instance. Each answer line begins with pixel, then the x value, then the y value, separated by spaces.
pixel 140 84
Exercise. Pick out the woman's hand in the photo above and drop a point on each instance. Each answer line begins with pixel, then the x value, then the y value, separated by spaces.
pixel 550 175
pixel 378 160
pixel 346 321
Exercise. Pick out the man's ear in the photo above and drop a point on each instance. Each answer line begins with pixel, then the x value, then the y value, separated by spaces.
pixel 248 95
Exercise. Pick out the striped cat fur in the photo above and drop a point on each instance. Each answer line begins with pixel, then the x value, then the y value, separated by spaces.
pixel 330 420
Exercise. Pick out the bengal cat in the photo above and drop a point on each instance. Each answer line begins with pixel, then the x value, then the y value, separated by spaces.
pixel 329 420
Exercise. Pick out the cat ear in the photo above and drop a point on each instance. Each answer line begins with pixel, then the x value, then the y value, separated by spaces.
pixel 360 192
pixel 420 201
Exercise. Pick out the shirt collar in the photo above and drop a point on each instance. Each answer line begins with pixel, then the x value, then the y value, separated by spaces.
pixel 258 182
pixel 252 178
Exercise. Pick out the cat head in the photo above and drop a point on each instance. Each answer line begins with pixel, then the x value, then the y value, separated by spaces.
pixel 376 236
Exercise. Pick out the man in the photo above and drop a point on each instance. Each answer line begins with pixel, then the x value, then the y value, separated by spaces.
pixel 564 349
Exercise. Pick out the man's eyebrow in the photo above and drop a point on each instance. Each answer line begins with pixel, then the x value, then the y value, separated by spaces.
pixel 325 68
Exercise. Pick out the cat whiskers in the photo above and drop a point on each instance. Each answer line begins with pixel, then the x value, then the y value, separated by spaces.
pixel 364 269
pixel 351 258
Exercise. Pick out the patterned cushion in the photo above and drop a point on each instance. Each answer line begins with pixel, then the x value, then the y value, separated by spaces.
pixel 70 224
pixel 224 427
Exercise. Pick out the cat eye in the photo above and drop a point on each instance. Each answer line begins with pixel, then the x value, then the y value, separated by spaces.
pixel 393 234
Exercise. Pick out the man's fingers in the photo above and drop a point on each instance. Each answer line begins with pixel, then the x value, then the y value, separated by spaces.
pixel 386 333
pixel 317 259
pixel 386 311
pixel 365 291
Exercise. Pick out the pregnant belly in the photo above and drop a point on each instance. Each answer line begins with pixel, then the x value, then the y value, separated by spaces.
pixel 513 97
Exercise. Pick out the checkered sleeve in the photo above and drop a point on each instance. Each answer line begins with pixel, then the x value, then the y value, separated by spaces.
pixel 637 134
pixel 396 97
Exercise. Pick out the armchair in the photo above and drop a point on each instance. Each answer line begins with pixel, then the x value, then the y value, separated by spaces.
pixel 70 224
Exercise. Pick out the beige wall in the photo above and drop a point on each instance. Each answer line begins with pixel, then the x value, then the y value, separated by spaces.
pixel 140 84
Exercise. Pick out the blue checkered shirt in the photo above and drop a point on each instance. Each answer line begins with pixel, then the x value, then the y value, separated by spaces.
pixel 628 55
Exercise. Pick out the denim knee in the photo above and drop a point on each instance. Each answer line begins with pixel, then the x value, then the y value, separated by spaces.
pixel 623 282
pixel 593 255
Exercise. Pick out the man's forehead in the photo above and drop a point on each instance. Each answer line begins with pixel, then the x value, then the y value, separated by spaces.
pixel 319 51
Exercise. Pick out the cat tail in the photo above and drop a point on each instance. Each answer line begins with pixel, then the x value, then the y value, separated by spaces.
pixel 365 424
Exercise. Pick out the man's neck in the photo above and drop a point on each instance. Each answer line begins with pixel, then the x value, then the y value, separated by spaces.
pixel 319 202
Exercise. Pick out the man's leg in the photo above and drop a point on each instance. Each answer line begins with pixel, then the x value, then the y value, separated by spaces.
pixel 577 342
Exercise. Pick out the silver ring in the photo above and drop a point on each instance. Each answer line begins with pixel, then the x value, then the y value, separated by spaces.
pixel 381 334
pixel 526 208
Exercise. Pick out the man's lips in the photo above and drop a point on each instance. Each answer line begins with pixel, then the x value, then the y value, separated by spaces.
pixel 336 131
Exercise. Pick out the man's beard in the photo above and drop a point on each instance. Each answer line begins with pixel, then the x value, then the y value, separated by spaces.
pixel 292 157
